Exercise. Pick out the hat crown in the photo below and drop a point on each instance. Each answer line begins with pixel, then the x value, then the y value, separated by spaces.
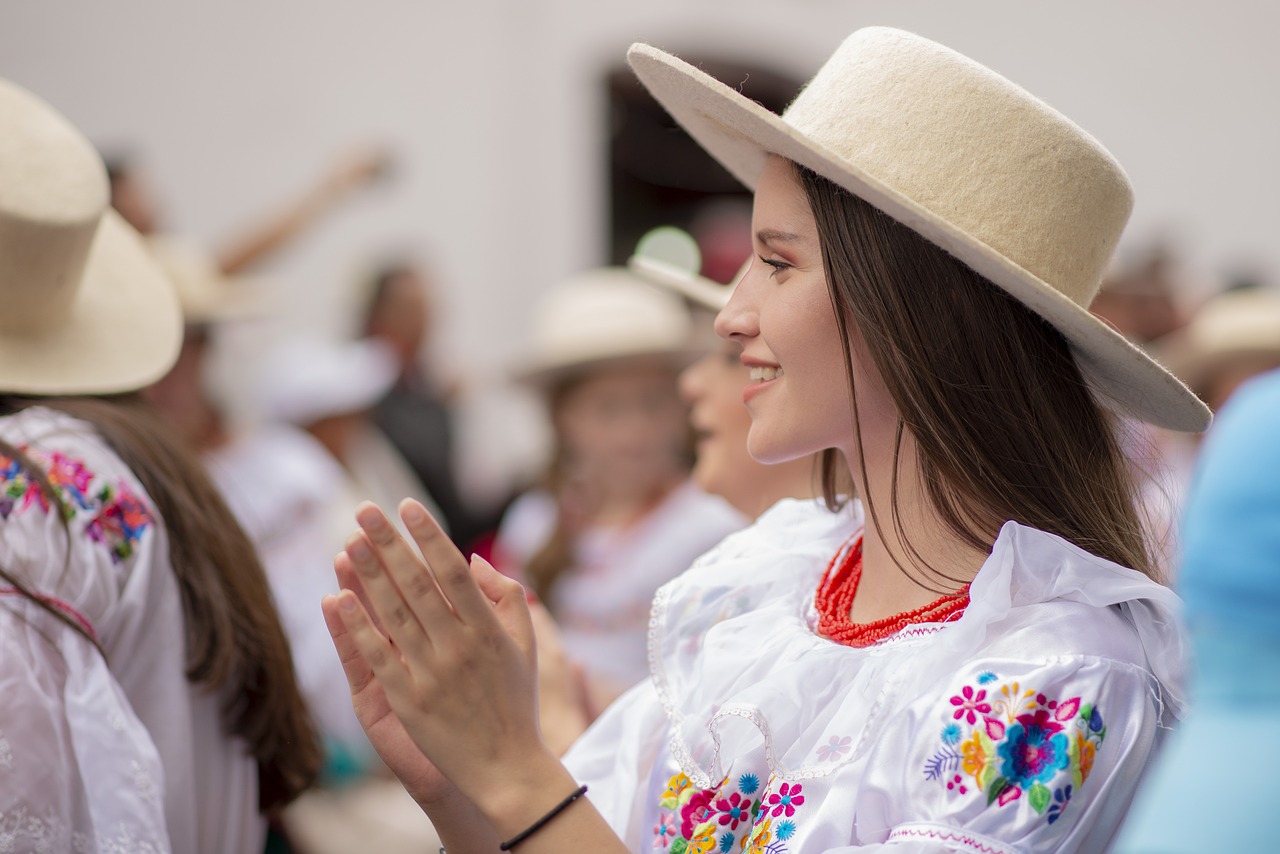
pixel 601 315
pixel 53 193
pixel 968 146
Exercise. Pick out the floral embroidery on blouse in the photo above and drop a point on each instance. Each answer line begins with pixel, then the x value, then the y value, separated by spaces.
pixel 735 816
pixel 1013 743
pixel 117 516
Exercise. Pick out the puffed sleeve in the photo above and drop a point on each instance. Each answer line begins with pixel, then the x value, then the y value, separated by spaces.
pixel 1011 757
pixel 78 771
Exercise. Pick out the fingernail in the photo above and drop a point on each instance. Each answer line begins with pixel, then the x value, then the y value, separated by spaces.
pixel 412 513
pixel 359 550
pixel 347 604
pixel 370 517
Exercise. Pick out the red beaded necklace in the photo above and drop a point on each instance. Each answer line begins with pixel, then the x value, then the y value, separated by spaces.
pixel 835 601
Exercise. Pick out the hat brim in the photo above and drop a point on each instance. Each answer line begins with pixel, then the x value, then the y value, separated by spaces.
pixel 549 374
pixel 123 332
pixel 697 289
pixel 742 134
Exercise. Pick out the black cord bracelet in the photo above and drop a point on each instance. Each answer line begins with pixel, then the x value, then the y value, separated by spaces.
pixel 542 822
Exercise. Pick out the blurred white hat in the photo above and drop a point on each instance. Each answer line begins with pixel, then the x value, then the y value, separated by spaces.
pixel 307 380
pixel 601 316
pixel 206 294
pixel 1234 326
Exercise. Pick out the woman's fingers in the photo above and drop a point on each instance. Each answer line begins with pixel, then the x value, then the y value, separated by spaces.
pixel 419 591
pixel 451 570
pixel 373 649
pixel 393 614
pixel 509 602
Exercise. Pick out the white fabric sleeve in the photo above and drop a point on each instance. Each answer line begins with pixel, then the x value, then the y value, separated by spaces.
pixel 1010 757
pixel 78 771
pixel 615 757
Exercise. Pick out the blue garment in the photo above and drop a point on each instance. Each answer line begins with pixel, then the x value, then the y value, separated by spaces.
pixel 1209 791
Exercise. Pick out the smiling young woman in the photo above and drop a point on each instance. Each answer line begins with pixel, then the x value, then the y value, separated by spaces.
pixel 984 666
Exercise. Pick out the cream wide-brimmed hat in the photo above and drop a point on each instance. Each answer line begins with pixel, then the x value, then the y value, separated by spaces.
pixel 83 308
pixel 602 316
pixel 970 161
pixel 309 379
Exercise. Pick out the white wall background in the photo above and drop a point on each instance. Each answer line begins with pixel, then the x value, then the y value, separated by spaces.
pixel 494 111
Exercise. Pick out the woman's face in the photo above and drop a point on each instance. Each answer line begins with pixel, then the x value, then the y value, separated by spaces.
pixel 782 316
pixel 623 425
pixel 712 387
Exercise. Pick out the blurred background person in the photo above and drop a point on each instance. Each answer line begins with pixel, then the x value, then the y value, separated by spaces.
pixel 150 698
pixel 616 515
pixel 1230 581
pixel 329 389
pixel 416 413
pixel 1231 338
pixel 283 486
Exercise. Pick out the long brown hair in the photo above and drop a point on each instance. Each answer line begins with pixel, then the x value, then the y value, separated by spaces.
pixel 1004 421
pixel 234 642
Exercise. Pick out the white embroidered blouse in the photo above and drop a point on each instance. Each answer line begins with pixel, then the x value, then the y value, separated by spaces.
pixel 1023 726
pixel 110 750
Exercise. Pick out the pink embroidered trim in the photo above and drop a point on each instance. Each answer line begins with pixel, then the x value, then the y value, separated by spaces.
pixel 62 606
pixel 971 842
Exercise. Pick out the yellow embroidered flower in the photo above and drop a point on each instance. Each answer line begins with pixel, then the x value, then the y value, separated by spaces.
pixel 761 836
pixel 1086 750
pixel 679 790
pixel 704 839
pixel 975 756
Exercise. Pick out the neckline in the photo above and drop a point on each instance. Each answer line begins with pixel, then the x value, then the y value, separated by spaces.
pixel 836 592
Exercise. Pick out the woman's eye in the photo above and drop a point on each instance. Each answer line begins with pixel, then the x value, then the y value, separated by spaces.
pixel 777 266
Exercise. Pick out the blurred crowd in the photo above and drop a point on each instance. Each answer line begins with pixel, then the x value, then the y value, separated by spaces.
pixel 647 468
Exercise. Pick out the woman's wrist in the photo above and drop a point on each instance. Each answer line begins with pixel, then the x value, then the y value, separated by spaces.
pixel 526 791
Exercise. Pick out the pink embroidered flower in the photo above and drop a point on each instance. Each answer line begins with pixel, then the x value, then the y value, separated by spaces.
pixel 696 811
pixel 664 832
pixel 970 705
pixel 835 748
pixel 786 799
pixel 733 809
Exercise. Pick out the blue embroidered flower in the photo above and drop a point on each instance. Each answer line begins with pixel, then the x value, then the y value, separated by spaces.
pixel 950 734
pixel 726 842
pixel 986 677
pixel 785 829
pixel 1060 799
pixel 1034 749
pixel 748 784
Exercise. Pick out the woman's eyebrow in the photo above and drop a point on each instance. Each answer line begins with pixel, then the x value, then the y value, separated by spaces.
pixel 773 235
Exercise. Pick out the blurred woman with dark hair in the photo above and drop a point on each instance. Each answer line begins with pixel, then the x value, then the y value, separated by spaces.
pixel 150 701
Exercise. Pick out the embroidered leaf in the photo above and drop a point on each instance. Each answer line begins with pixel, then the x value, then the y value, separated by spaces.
pixel 997 788
pixel 680 846
pixel 1038 797
pixel 944 761
pixel 1067 710
pixel 988 775
pixel 995 729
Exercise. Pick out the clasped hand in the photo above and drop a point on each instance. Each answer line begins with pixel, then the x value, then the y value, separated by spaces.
pixel 441 658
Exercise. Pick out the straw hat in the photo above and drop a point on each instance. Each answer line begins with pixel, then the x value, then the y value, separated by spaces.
pixel 1238 326
pixel 206 294
pixel 965 158
pixel 601 316
pixel 83 308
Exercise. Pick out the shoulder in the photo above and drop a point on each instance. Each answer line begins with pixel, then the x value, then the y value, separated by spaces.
pixel 697 513
pixel 100 497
